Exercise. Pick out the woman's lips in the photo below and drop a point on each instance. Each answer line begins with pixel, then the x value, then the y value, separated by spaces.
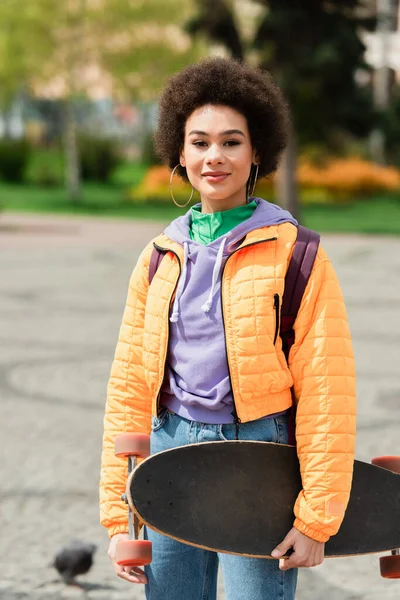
pixel 217 178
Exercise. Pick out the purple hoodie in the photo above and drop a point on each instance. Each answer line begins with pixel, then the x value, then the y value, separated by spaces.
pixel 197 385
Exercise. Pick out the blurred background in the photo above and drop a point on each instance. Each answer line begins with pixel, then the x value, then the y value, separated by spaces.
pixel 81 193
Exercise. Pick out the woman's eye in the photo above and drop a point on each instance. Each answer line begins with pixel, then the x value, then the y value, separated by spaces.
pixel 230 142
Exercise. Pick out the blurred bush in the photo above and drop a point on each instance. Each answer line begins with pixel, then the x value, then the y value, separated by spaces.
pixel 349 178
pixel 154 188
pixel 336 180
pixel 46 168
pixel 14 157
pixel 99 158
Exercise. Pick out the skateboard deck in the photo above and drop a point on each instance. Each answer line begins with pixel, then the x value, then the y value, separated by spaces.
pixel 238 497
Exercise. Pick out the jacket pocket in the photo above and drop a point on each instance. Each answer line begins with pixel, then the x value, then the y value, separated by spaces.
pixel 277 315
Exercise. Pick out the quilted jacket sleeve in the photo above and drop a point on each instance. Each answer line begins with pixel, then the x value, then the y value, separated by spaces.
pixel 128 406
pixel 322 365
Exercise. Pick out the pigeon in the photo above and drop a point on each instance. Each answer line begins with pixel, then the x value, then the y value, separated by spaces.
pixel 74 559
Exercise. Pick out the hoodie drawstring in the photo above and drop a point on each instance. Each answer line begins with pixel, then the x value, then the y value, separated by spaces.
pixel 182 280
pixel 217 267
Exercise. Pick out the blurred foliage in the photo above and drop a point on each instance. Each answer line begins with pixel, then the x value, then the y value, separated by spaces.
pixel 336 181
pixel 390 124
pixel 155 188
pixel 45 168
pixel 142 43
pixel 99 158
pixel 379 214
pixel 148 155
pixel 14 157
pixel 217 21
pixel 349 178
pixel 339 180
pixel 128 173
pixel 38 42
pixel 70 50
pixel 132 46
pixel 312 49
pixel 316 66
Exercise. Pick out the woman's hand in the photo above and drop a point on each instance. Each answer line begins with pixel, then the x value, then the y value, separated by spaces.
pixel 132 574
pixel 306 551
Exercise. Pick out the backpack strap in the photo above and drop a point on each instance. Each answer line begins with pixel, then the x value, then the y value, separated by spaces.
pixel 156 257
pixel 297 276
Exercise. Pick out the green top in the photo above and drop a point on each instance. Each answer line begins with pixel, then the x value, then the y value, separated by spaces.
pixel 207 227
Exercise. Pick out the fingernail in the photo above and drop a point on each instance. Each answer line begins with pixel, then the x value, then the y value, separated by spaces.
pixel 275 553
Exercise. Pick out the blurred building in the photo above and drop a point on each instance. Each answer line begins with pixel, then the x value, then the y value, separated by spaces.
pixel 383 45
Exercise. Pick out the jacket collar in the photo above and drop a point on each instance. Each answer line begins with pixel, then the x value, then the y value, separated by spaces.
pixel 253 237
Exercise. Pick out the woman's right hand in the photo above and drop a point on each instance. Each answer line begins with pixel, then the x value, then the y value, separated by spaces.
pixel 132 574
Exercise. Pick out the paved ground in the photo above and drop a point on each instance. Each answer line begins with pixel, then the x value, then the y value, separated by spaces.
pixel 62 289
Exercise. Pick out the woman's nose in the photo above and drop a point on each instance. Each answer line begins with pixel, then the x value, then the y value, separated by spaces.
pixel 214 154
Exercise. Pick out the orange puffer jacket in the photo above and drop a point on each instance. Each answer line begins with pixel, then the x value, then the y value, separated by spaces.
pixel 321 368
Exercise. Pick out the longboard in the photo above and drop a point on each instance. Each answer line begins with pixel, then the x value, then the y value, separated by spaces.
pixel 238 497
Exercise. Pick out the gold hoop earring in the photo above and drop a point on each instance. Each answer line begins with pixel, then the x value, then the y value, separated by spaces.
pixel 170 190
pixel 255 180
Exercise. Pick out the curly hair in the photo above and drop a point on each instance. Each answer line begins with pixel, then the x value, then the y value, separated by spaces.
pixel 230 82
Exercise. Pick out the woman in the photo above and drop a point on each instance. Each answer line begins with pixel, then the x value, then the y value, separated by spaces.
pixel 198 358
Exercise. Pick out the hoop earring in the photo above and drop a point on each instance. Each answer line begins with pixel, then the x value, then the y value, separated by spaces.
pixel 170 190
pixel 255 180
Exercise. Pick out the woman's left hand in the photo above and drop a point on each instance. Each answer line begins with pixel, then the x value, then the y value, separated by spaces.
pixel 306 551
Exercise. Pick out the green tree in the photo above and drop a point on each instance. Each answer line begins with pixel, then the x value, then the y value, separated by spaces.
pixel 18 35
pixel 42 49
pixel 313 50
pixel 53 49
pixel 389 124
pixel 143 43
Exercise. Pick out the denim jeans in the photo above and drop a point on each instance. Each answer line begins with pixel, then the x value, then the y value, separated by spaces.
pixel 182 572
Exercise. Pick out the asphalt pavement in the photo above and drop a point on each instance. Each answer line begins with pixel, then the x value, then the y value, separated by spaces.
pixel 63 286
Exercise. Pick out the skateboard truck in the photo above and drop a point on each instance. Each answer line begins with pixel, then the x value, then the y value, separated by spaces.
pixel 132 552
pixel 390 564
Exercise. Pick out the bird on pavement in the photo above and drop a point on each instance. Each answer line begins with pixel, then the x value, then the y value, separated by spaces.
pixel 74 559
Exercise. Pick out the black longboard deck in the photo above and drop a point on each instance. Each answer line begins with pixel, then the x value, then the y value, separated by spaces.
pixel 238 497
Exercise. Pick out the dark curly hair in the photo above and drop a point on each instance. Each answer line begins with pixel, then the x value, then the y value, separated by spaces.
pixel 230 82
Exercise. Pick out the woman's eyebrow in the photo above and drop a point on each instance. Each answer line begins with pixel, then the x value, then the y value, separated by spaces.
pixel 227 132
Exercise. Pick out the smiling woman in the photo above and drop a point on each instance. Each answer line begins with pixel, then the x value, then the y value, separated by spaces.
pixel 217 160
pixel 200 355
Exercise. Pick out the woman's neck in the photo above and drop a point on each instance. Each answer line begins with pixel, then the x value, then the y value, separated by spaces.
pixel 210 205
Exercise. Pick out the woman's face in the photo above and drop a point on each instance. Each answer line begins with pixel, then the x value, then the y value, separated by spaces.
pixel 217 140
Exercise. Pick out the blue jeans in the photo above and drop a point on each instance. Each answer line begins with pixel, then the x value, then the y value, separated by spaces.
pixel 182 572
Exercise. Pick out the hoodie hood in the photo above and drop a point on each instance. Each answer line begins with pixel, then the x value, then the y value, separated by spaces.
pixel 265 214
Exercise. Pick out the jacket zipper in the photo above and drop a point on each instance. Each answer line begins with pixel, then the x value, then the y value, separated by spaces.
pixel 277 315
pixel 236 418
pixel 168 332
